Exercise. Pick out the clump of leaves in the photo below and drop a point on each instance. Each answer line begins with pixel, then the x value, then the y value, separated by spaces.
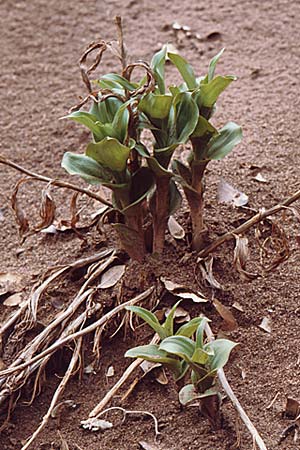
pixel 186 354
pixel 144 180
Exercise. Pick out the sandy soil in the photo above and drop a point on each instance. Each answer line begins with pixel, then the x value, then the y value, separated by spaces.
pixel 39 80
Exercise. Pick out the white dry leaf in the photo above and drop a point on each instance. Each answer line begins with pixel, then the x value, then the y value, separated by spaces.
pixel 172 49
pixel 97 214
pixel 182 292
pixel 260 178
pixel 10 277
pixel 89 369
pixel 145 446
pixel 110 372
pixel 237 306
pixel 111 276
pixel 50 230
pixel 266 324
pixel 94 424
pixel 13 300
pixel 175 229
pixel 229 194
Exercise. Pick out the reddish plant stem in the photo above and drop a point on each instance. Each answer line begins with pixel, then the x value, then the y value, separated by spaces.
pixel 161 213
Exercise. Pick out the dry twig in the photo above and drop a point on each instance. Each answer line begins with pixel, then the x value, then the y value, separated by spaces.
pixel 55 182
pixel 262 214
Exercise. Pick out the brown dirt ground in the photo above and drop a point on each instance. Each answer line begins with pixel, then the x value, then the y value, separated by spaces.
pixel 39 80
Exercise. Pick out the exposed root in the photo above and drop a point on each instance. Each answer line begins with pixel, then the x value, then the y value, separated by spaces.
pixel 72 367
pixel 127 412
pixel 112 392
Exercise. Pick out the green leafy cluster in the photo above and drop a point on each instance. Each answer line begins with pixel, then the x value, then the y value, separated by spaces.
pixel 118 158
pixel 180 353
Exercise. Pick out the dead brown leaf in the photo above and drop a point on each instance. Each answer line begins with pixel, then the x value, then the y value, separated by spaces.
pixel 111 276
pixel 20 216
pixel 229 319
pixel 47 210
pixel 240 258
pixel 9 282
pixel 206 268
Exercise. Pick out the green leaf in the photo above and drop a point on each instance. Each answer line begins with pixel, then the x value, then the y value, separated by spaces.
pixel 189 393
pixel 222 144
pixel 149 318
pixel 86 167
pixel 106 110
pixel 158 67
pixel 200 333
pixel 189 328
pixel 185 70
pixel 119 81
pixel 221 349
pixel 209 93
pixel 180 346
pixel 183 118
pixel 169 322
pixel 120 123
pixel 110 153
pixel 200 356
pixel 203 128
pixel 212 65
pixel 156 106
pixel 87 119
pixel 163 155
pixel 151 352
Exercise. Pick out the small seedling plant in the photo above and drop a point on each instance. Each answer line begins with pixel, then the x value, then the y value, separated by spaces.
pixel 144 179
pixel 187 356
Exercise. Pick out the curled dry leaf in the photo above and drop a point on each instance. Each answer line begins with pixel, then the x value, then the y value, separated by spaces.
pixel 275 248
pixel 226 314
pixel 111 276
pixel 47 210
pixel 89 370
pixel 228 194
pixel 206 268
pixel 56 412
pixel 183 292
pixel 175 229
pixel 13 300
pixel 94 424
pixel 240 258
pixel 266 324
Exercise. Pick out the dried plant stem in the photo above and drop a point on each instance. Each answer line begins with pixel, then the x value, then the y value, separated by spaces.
pixel 118 22
pixel 54 182
pixel 262 214
pixel 227 388
pixel 160 217
pixel 112 392
pixel 57 394
pixel 84 331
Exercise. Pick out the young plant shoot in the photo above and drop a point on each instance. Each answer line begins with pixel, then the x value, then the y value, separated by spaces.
pixel 144 179
pixel 187 358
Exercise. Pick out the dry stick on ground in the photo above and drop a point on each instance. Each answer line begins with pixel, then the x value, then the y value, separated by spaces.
pixel 262 214
pixel 62 342
pixel 54 182
pixel 112 392
pixel 227 388
pixel 58 393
